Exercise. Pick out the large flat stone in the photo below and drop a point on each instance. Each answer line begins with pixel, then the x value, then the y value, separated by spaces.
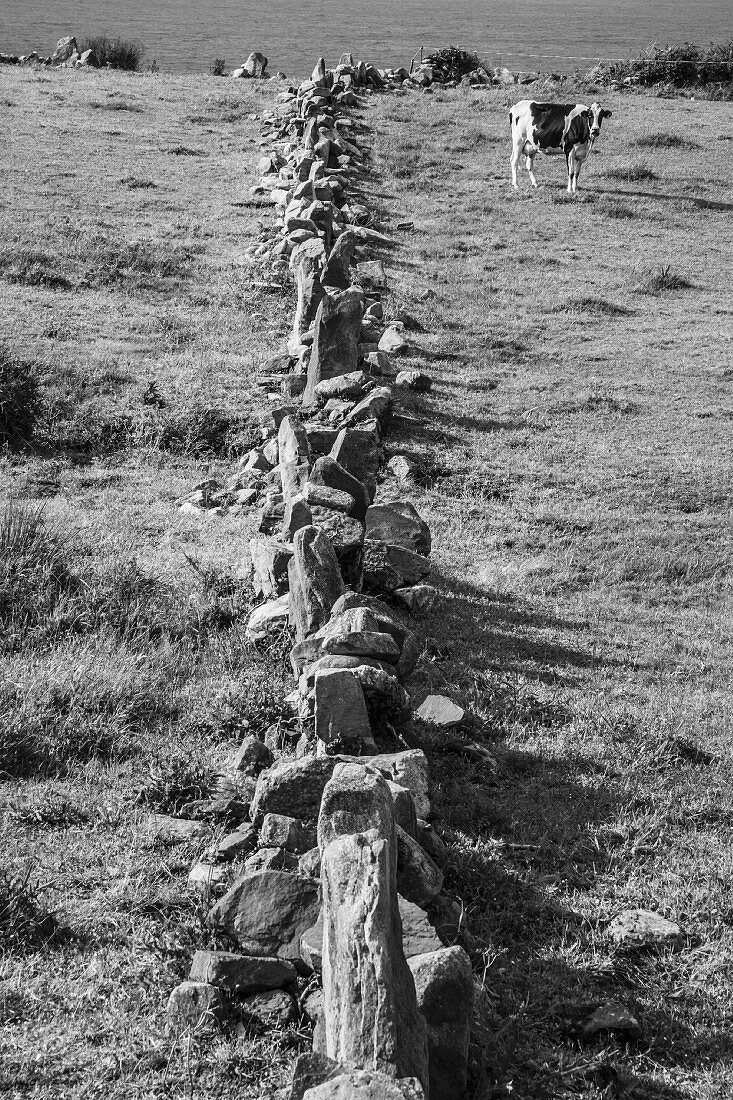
pixel 241 973
pixel 267 912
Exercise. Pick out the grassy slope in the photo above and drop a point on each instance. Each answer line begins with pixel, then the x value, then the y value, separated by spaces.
pixel 123 225
pixel 579 509
pixel 578 442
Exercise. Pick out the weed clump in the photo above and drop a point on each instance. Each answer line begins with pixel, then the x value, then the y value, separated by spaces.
pixel 637 172
pixel 658 279
pixel 451 63
pixel 665 141
pixel 21 400
pixel 24 924
pixel 115 53
pixel 678 66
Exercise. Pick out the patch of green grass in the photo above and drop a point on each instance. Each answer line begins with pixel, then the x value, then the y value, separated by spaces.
pixel 21 401
pixel 114 53
pixel 661 140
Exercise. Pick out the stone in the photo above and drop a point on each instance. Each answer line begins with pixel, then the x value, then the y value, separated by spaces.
pixel 393 340
pixel 306 262
pixel 409 656
pixel 235 845
pixel 444 987
pixel 419 598
pixel 194 1006
pixel 65 49
pixel 403 807
pixel 387 567
pixel 409 769
pixel 430 841
pixel 293 478
pixel 403 468
pixel 207 878
pixel 292 442
pixel 297 516
pixel 336 343
pixel 223 810
pixel 271 859
pixel 344 385
pixel 611 1016
pixel 418 934
pixel 346 534
pixel 268 617
pixel 320 437
pixel 399 523
pixel 342 719
pixel 293 788
pixel 273 1009
pixel 308 672
pixel 419 879
pixel 638 928
pixel 311 946
pixel 241 974
pixel 270 559
pixel 252 756
pixel 177 829
pixel 323 496
pixel 272 515
pixel 371 273
pixel 310 1070
pixel 267 912
pixel 281 831
pixel 310 863
pixel 388 620
pixel 439 710
pixel 374 406
pixel 359 452
pixel 337 269
pixel 315 581
pixel 363 1084
pixel 414 380
pixel 363 643
pixel 256 64
pixel 328 471
pixel 371 1014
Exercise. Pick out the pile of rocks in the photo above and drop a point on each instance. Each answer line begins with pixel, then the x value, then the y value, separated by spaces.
pixel 329 883
pixel 67 55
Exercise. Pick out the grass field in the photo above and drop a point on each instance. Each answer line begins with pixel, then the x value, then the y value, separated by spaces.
pixel 577 480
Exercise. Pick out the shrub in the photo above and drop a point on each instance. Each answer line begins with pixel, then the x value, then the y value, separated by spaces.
pixel 451 62
pixel 20 398
pixel 219 67
pixel 677 66
pixel 114 53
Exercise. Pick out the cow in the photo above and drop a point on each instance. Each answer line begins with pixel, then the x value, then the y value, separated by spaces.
pixel 554 128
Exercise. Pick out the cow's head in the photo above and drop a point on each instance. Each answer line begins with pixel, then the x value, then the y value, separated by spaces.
pixel 595 115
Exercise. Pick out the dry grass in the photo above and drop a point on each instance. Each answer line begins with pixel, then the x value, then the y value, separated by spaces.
pixel 586 615
pixel 129 331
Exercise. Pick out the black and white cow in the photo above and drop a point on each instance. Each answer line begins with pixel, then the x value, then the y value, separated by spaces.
pixel 553 128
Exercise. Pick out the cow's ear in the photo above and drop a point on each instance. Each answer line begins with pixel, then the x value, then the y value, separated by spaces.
pixel 605 113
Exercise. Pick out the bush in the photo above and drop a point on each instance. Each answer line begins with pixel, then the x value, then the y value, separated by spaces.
pixel 451 62
pixel 20 398
pixel 114 53
pixel 678 66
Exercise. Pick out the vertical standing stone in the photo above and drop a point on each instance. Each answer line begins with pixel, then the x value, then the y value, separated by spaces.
pixel 444 984
pixel 336 272
pixel 315 581
pixel 341 714
pixel 336 343
pixel 371 1015
pixel 305 263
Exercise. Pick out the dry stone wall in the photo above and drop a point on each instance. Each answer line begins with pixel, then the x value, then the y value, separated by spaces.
pixel 338 908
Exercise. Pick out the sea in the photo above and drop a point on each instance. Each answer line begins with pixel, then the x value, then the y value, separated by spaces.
pixel 187 36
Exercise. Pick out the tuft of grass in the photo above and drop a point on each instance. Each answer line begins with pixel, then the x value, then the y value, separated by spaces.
pixel 116 105
pixel 24 925
pixel 614 208
pixel 662 140
pixel 591 304
pixel 115 53
pixel 658 279
pixel 636 172
pixel 21 401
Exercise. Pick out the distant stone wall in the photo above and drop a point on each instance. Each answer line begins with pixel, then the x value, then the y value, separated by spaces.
pixel 339 910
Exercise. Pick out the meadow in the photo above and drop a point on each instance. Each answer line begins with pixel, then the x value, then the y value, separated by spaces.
pixel 576 474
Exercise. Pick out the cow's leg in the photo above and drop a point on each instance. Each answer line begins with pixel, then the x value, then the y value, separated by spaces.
pixel 576 176
pixel 571 170
pixel 516 153
pixel 530 166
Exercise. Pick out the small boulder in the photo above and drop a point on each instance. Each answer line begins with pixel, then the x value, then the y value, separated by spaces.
pixel 639 928
pixel 194 1006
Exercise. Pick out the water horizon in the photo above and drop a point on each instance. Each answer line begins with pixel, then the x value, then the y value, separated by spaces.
pixel 547 35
